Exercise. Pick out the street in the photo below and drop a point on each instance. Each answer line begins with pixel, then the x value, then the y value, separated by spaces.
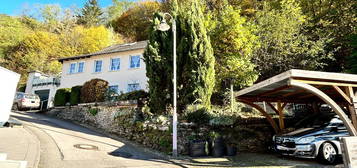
pixel 64 144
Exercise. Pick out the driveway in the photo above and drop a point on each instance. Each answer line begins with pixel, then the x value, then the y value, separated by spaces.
pixel 64 145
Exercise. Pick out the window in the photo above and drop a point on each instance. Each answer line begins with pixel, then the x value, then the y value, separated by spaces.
pixel 115 64
pixel 135 61
pixel 98 66
pixel 72 68
pixel 114 88
pixel 133 87
pixel 80 67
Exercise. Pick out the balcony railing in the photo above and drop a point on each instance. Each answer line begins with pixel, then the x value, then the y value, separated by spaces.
pixel 46 81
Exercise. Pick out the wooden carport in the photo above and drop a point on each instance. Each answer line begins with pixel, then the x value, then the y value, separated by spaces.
pixel 338 90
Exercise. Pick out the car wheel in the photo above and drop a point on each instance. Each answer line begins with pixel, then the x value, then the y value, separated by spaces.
pixel 327 153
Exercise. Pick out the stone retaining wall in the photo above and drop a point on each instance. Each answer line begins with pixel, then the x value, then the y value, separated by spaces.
pixel 253 134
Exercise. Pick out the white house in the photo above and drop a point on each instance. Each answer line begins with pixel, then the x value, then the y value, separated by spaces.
pixel 121 65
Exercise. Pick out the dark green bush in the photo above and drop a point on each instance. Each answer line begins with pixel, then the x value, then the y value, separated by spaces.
pixel 94 91
pixel 62 96
pixel 93 111
pixel 75 95
pixel 200 116
pixel 134 95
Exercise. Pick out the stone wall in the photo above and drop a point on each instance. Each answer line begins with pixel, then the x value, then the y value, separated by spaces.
pixel 253 134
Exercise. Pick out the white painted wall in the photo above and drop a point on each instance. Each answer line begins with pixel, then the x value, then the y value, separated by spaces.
pixel 7 90
pixel 32 89
pixel 122 77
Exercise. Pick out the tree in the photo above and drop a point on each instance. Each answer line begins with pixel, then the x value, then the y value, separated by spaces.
pixel 91 14
pixel 117 9
pixel 284 43
pixel 336 19
pixel 353 57
pixel 196 73
pixel 56 19
pixel 134 23
pixel 38 51
pixel 233 42
pixel 12 31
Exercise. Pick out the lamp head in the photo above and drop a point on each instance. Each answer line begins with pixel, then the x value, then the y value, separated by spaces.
pixel 163 26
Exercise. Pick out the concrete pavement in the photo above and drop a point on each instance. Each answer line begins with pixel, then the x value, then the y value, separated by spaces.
pixel 21 145
pixel 59 139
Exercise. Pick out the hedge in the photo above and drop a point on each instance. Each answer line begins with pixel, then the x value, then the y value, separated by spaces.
pixel 75 95
pixel 62 96
pixel 134 95
pixel 94 91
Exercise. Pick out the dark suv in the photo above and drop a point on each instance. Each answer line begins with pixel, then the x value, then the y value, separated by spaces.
pixel 322 142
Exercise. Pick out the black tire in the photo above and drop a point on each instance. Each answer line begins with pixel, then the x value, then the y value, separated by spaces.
pixel 327 153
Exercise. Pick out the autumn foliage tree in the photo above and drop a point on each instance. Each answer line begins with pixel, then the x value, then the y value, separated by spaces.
pixel 134 23
pixel 233 41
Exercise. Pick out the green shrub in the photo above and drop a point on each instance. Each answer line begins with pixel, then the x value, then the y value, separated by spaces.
pixel 200 116
pixel 62 96
pixel 134 95
pixel 75 95
pixel 93 111
pixel 94 91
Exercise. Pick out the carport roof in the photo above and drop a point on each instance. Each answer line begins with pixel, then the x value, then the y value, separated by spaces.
pixel 278 88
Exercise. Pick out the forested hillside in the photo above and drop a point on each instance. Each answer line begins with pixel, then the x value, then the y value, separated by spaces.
pixel 251 39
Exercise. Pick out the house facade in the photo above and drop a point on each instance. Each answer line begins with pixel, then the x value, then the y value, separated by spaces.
pixel 121 65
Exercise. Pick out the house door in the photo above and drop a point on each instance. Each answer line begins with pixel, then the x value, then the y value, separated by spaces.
pixel 43 94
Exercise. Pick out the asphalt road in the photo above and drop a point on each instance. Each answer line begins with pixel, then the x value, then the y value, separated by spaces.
pixel 67 145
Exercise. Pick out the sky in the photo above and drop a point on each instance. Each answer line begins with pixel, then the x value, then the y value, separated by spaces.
pixel 15 7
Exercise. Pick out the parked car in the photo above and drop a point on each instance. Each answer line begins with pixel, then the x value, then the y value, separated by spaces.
pixel 25 101
pixel 320 142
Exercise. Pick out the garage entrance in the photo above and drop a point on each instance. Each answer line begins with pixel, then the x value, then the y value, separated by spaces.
pixel 338 90
pixel 44 95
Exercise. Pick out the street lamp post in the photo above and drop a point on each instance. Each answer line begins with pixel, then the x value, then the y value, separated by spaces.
pixel 163 26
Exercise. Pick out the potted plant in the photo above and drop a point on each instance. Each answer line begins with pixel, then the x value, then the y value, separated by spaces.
pixel 197 146
pixel 217 145
pixel 231 148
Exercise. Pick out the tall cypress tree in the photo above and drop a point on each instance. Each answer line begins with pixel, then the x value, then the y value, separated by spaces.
pixel 195 60
pixel 91 14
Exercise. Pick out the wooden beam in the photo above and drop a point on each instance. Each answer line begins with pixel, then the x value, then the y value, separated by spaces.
pixel 343 94
pixel 352 107
pixel 297 92
pixel 293 93
pixel 325 83
pixel 281 115
pixel 273 107
pixel 284 105
pixel 267 116
pixel 273 91
pixel 329 101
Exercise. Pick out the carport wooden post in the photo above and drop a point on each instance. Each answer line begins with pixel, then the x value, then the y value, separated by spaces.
pixel 352 105
pixel 279 110
pixel 281 115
